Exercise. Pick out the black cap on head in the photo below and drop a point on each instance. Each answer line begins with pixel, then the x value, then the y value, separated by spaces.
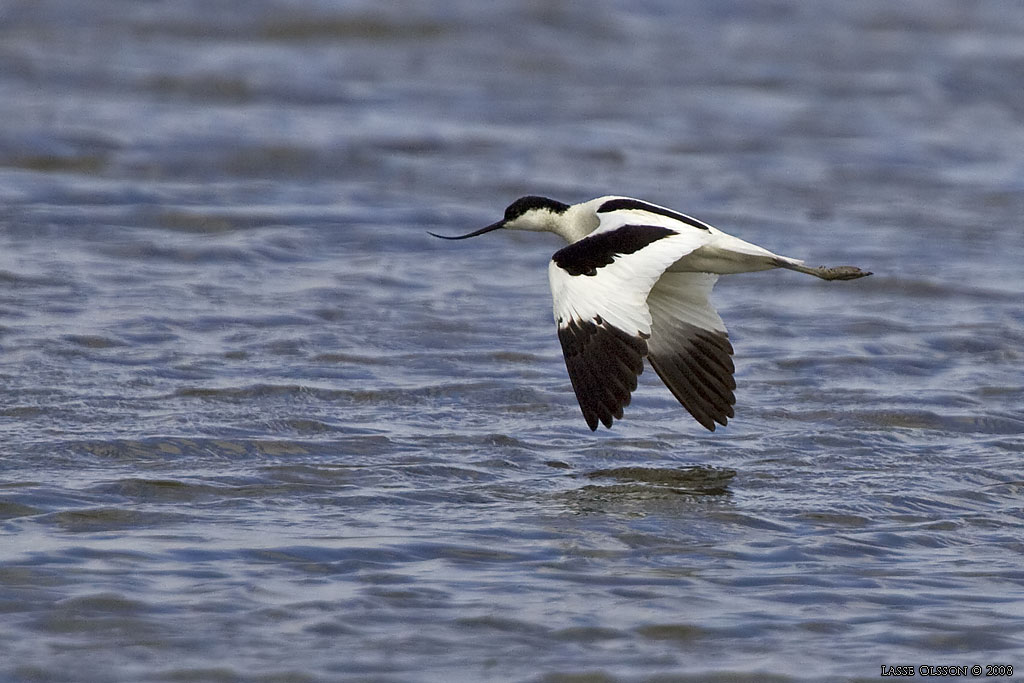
pixel 524 204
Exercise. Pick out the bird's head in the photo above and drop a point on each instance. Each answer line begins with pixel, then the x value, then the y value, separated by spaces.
pixel 525 213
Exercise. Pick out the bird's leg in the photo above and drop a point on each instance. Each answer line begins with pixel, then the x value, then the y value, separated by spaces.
pixel 825 273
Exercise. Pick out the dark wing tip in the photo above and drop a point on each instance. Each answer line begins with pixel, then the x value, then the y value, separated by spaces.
pixel 603 364
pixel 699 373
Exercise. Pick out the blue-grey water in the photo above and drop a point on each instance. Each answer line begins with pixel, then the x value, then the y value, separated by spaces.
pixel 256 424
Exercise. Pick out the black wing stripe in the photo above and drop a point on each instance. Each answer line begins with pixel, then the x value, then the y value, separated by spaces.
pixel 627 203
pixel 603 364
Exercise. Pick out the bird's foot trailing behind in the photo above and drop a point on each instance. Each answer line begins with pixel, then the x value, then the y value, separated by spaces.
pixel 825 272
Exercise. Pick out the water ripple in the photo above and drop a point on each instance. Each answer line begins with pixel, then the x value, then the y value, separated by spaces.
pixel 259 425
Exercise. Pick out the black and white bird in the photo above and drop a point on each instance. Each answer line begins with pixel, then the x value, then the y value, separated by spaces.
pixel 635 283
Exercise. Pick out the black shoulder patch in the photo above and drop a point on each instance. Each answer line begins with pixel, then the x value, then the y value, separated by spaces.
pixel 627 203
pixel 596 251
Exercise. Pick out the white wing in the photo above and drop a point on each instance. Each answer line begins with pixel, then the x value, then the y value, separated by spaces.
pixel 600 287
pixel 689 347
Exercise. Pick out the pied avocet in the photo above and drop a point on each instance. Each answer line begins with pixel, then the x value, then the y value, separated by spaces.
pixel 634 283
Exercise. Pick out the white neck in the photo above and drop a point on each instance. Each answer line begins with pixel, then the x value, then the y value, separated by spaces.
pixel 578 221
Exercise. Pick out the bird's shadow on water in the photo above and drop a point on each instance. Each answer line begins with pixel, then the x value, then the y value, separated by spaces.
pixel 637 488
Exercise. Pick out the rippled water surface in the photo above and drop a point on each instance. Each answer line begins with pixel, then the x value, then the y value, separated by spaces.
pixel 257 425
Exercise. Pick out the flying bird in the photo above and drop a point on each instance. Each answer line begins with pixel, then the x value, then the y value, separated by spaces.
pixel 634 283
